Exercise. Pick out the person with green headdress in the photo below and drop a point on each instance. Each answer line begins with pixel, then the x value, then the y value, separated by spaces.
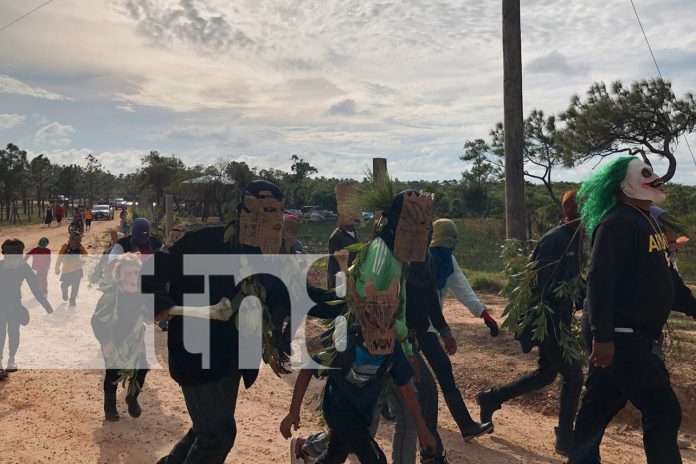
pixel 41 262
pixel 631 290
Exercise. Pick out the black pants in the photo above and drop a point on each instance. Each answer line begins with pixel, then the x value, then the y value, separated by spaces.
pixel 551 363
pixel 426 391
pixel 442 367
pixel 211 407
pixel 352 441
pixel 639 376
pixel 110 385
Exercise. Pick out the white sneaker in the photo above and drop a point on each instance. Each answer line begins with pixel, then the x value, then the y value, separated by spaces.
pixel 11 365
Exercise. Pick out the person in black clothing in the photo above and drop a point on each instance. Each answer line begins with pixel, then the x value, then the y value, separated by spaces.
pixel 343 236
pixel 119 325
pixel 558 255
pixel 211 393
pixel 631 290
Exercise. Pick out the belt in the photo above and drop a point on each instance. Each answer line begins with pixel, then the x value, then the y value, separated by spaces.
pixel 636 333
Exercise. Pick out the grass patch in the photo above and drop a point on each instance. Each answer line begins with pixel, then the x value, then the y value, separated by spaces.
pixel 487 282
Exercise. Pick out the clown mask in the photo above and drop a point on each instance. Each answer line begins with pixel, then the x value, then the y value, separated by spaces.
pixel 413 228
pixel 376 315
pixel 641 183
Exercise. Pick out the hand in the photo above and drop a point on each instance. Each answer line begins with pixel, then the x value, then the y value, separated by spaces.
pixel 602 354
pixel 108 349
pixel 416 369
pixel 427 440
pixel 163 316
pixel 490 323
pixel 286 425
pixel 450 345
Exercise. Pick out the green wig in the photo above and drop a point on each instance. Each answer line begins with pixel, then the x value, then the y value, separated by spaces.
pixel 597 195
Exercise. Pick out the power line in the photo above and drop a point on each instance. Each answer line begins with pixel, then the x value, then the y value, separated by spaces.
pixel 24 16
pixel 647 42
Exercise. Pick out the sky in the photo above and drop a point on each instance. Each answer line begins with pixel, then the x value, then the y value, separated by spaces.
pixel 335 82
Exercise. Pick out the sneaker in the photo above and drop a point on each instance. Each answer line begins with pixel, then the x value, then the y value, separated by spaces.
pixel 73 303
pixel 11 366
pixel 488 404
pixel 296 455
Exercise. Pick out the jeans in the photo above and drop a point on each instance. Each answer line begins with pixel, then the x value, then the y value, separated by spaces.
pixel 71 280
pixel 637 375
pixel 211 407
pixel 9 327
pixel 352 441
pixel 551 363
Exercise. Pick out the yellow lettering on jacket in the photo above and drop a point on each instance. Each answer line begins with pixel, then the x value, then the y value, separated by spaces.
pixel 657 242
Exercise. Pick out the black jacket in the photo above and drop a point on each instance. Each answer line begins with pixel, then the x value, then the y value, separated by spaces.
pixel 422 299
pixel 169 286
pixel 558 255
pixel 630 282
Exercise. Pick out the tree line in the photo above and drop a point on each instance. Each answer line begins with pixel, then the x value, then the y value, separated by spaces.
pixel 645 118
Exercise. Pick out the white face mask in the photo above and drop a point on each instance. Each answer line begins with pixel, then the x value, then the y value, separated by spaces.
pixel 641 183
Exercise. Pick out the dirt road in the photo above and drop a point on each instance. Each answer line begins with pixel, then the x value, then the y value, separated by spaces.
pixel 55 416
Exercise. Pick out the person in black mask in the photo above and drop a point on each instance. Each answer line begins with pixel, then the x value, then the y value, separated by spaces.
pixel 211 393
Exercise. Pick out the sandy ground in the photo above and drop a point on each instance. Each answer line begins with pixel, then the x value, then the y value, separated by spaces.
pixel 55 416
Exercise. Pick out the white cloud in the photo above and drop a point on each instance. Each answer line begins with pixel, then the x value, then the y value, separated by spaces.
pixel 13 86
pixel 10 120
pixel 126 108
pixel 54 134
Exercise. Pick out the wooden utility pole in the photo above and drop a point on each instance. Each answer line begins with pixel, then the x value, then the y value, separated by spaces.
pixel 379 167
pixel 515 207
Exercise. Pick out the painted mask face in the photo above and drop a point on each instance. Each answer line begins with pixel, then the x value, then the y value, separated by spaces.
pixel 641 183
pixel 127 277
pixel 346 192
pixel 261 223
pixel 413 228
pixel 376 314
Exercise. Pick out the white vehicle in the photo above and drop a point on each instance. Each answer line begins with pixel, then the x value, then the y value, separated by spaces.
pixel 102 212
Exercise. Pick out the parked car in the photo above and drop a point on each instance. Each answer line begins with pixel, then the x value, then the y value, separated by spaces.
pixel 105 212
pixel 120 203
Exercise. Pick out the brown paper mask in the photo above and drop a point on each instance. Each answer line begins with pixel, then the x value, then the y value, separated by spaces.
pixel 262 225
pixel 376 314
pixel 291 229
pixel 413 229
pixel 346 192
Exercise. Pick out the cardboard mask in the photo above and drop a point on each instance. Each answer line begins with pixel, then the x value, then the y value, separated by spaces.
pixel 376 315
pixel 261 222
pixel 413 228
pixel 641 183
pixel 346 193
pixel 291 229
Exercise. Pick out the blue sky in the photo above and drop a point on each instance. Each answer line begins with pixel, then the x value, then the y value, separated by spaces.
pixel 334 81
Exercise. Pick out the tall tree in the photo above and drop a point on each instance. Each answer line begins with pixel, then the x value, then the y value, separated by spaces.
pixel 159 172
pixel 300 171
pixel 484 172
pixel 13 167
pixel 541 149
pixel 645 116
pixel 93 175
pixel 40 173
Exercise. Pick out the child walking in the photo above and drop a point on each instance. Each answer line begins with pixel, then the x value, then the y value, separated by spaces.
pixel 69 258
pixel 41 262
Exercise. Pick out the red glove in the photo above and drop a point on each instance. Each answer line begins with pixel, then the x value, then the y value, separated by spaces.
pixel 490 323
